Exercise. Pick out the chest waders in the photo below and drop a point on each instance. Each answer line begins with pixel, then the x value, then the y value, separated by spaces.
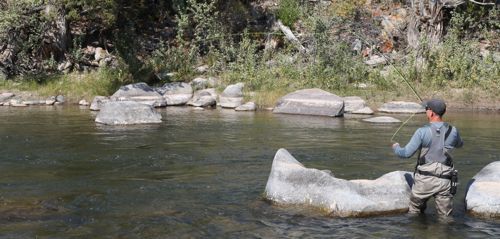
pixel 436 152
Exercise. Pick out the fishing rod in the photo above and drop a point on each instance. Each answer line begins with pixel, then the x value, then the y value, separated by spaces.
pixel 402 77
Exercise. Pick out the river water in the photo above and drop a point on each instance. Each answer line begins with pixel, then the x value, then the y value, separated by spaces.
pixel 202 174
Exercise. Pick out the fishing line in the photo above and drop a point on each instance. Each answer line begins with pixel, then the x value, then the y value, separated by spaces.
pixel 404 79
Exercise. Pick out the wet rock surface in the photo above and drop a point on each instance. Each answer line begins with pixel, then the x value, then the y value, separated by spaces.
pixel 290 183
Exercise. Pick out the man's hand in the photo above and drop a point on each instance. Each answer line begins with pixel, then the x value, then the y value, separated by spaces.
pixel 395 145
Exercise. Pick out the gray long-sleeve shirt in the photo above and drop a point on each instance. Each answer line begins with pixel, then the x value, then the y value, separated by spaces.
pixel 422 139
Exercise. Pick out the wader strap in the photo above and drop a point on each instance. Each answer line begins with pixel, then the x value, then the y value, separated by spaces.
pixel 431 174
pixel 448 132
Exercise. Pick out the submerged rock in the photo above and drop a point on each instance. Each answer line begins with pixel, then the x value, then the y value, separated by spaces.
pixel 127 112
pixel 483 194
pixel 311 102
pixel 291 183
pixel 402 107
pixel 382 119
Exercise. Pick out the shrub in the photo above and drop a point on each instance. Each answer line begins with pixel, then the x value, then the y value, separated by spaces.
pixel 288 11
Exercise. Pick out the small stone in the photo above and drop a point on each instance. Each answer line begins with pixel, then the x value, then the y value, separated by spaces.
pixel 83 102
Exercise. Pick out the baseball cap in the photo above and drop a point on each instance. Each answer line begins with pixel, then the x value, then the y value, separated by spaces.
pixel 436 105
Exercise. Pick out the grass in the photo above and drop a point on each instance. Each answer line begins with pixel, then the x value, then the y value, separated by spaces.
pixel 74 86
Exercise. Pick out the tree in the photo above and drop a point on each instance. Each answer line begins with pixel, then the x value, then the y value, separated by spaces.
pixel 428 19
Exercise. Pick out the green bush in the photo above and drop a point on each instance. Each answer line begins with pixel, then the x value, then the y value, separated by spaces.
pixel 288 11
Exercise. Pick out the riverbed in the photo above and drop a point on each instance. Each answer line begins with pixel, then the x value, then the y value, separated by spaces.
pixel 202 174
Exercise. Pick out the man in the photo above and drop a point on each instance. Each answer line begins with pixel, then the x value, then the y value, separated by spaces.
pixel 435 167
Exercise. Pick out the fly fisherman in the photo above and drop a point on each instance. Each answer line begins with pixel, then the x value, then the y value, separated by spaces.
pixel 434 173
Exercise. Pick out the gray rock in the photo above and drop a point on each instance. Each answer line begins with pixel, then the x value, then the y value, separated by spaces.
pixel 290 183
pixel 6 96
pixel 83 102
pixel 199 83
pixel 353 103
pixel 310 102
pixel 376 60
pixel 382 119
pixel 483 194
pixel 127 112
pixel 139 92
pixel 17 103
pixel 60 98
pixel 100 54
pixel 177 93
pixel 232 96
pixel 202 69
pixel 97 103
pixel 235 90
pixel 401 107
pixel 363 111
pixel 50 101
pixel 204 98
pixel 32 102
pixel 249 106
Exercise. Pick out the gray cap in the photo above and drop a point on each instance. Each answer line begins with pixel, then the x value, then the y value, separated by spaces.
pixel 436 105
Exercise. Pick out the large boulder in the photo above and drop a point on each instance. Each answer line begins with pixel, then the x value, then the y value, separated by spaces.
pixel 310 102
pixel 176 93
pixel 232 96
pixel 483 194
pixel 402 107
pixel 290 183
pixel 139 92
pixel 127 112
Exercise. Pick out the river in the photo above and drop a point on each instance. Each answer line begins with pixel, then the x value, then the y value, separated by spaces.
pixel 202 174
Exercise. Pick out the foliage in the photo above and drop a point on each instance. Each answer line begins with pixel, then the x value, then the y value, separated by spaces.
pixel 288 11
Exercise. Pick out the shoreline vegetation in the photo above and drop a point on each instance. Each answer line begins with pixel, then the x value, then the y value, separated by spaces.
pixel 349 48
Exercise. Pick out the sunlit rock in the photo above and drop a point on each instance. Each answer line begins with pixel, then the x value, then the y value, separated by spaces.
pixel 402 107
pixel 249 106
pixel 232 96
pixel 382 119
pixel 83 102
pixel 139 92
pixel 204 98
pixel 353 103
pixel 127 112
pixel 363 111
pixel 4 97
pixel 98 102
pixel 483 194
pixel 176 93
pixel 310 102
pixel 290 183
